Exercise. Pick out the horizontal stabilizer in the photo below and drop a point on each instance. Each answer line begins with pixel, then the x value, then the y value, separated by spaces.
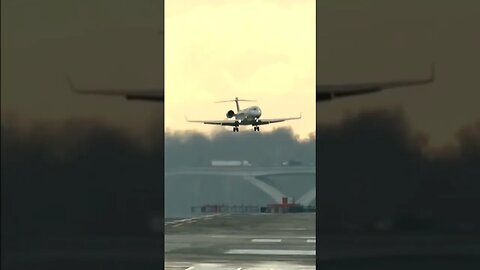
pixel 234 100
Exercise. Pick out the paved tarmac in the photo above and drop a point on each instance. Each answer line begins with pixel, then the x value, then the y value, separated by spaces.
pixel 261 241
pixel 288 241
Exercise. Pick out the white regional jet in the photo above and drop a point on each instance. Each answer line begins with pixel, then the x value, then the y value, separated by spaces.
pixel 245 117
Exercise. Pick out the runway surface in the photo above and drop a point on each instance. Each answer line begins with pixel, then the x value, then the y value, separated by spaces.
pixel 262 241
pixel 288 241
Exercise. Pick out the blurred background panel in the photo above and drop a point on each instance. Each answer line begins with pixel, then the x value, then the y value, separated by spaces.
pixel 397 171
pixel 82 176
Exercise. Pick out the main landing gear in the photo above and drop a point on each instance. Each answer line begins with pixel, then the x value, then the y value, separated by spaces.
pixel 235 129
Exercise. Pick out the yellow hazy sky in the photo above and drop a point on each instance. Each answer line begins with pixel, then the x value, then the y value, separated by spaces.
pixel 251 49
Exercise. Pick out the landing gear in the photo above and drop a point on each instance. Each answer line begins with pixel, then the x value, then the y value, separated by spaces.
pixel 256 128
pixel 235 129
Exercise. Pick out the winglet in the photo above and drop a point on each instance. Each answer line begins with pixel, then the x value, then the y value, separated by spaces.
pixel 73 87
pixel 186 119
pixel 70 82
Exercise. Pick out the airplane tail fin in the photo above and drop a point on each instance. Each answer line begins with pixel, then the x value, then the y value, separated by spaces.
pixel 236 102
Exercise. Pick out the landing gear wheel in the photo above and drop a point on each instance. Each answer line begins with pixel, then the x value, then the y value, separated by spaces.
pixel 256 128
pixel 235 129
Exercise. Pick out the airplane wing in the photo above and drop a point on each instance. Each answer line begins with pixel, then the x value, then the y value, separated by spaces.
pixel 145 94
pixel 215 122
pixel 329 92
pixel 275 120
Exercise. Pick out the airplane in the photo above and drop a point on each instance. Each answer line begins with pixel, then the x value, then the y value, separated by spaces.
pixel 244 117
pixel 324 92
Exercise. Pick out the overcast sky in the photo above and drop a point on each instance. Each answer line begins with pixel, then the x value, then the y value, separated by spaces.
pixel 248 49
pixel 116 44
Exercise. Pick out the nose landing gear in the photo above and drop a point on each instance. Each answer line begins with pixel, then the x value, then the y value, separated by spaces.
pixel 235 129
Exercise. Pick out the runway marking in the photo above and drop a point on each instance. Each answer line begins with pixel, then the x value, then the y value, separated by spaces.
pixel 284 237
pixel 206 266
pixel 257 266
pixel 270 252
pixel 218 236
pixel 311 240
pixel 266 240
pixel 206 217
pixel 293 229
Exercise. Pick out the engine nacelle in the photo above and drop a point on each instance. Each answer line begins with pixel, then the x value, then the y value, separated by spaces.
pixel 230 114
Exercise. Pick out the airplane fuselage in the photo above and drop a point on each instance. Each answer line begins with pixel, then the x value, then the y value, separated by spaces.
pixel 248 116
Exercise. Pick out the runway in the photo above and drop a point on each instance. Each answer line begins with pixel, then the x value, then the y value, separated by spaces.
pixel 261 241
pixel 288 241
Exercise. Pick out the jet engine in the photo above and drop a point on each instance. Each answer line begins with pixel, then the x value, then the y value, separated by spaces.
pixel 230 114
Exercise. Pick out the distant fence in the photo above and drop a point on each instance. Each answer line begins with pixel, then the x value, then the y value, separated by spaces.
pixel 250 209
pixel 232 209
